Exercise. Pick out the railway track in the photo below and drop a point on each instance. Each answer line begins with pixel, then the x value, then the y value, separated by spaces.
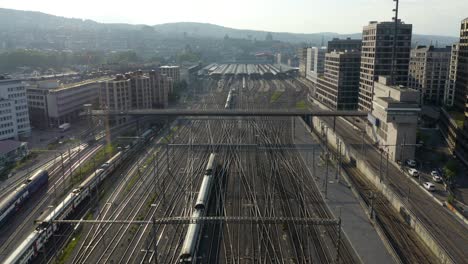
pixel 164 181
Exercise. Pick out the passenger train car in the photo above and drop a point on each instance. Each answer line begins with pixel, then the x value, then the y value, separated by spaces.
pixel 12 201
pixel 35 242
pixel 192 236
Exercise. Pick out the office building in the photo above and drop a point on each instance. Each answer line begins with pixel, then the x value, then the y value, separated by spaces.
pixel 428 73
pixel 114 94
pixel 453 122
pixel 449 93
pixel 338 87
pixel 394 118
pixel 317 63
pixel 52 103
pixel 171 71
pixel 347 44
pixel 377 54
pixel 159 89
pixel 278 58
pixel 461 84
pixel 140 90
pixel 14 115
pixel 302 55
pixel 12 151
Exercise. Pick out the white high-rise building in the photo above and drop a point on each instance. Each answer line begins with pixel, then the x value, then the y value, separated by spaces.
pixel 14 114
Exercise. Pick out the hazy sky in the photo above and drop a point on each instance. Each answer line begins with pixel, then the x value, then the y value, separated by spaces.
pixel 440 17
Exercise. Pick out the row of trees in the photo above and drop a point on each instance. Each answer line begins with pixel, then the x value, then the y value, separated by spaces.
pixel 12 60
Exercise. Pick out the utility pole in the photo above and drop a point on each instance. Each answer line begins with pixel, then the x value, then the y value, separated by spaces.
pixel 326 174
pixel 155 245
pixel 380 165
pixel 372 198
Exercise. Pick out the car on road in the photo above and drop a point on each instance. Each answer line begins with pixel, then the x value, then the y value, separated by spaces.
pixel 413 172
pixel 411 163
pixel 437 178
pixel 429 186
pixel 435 173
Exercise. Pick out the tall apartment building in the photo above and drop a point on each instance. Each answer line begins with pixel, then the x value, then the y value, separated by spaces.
pixel 461 84
pixel 171 71
pixel 14 115
pixel 456 134
pixel 115 94
pixel 376 57
pixel 338 87
pixel 449 92
pixel 338 45
pixel 159 84
pixel 302 55
pixel 52 103
pixel 428 72
pixel 140 90
pixel 317 63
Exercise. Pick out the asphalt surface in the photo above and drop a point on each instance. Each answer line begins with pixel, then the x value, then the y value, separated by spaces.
pixel 446 228
pixel 355 223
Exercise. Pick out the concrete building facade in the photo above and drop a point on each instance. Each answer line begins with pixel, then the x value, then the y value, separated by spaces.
pixel 317 63
pixel 461 84
pixel 14 109
pixel 376 57
pixel 338 87
pixel 451 126
pixel 449 92
pixel 140 90
pixel 52 103
pixel 171 71
pixel 347 44
pixel 159 89
pixel 394 118
pixel 115 94
pixel 8 127
pixel 428 73
pixel 302 55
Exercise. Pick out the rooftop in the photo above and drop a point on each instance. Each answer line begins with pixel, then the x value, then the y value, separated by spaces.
pixel 168 67
pixel 7 146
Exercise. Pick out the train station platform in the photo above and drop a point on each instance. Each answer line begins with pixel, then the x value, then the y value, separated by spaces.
pixel 356 225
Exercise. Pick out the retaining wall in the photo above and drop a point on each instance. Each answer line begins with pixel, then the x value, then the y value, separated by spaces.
pixel 351 154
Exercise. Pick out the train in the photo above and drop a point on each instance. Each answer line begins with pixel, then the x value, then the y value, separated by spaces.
pixel 192 236
pixel 13 200
pixel 230 99
pixel 36 241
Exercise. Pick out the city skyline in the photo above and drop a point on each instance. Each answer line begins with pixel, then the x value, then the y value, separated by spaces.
pixel 309 17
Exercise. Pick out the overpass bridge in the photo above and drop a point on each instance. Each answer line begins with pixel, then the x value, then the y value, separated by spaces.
pixel 228 113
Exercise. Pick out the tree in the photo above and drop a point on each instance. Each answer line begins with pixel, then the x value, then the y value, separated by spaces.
pixel 450 171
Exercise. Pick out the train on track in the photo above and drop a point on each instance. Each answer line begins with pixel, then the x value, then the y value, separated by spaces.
pixel 230 99
pixel 37 240
pixel 13 200
pixel 192 236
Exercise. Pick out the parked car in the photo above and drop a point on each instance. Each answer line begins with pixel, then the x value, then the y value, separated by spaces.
pixel 411 163
pixel 437 178
pixel 429 186
pixel 413 172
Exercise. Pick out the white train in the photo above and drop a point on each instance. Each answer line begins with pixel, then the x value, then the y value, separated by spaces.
pixel 192 236
pixel 35 242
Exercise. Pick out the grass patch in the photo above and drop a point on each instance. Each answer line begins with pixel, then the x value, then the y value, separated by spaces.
pixel 94 163
pixel 458 117
pixel 167 139
pixel 275 96
pixel 68 250
pixel 132 182
pixel 301 105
